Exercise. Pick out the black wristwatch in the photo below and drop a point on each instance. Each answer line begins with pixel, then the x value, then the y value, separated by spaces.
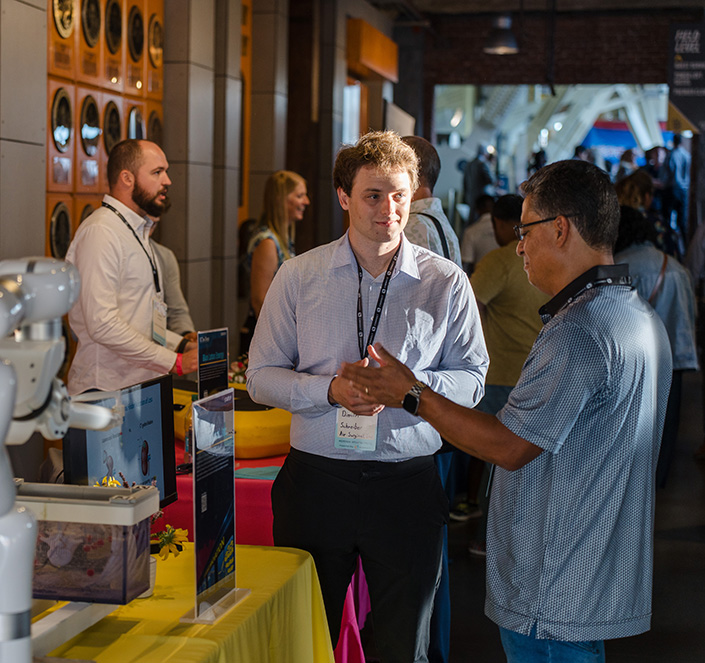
pixel 412 399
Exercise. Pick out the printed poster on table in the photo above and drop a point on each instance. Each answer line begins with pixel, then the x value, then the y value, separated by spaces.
pixel 212 362
pixel 131 452
pixel 214 498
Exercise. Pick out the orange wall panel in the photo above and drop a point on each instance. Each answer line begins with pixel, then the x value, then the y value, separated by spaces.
pixel 88 115
pixel 61 135
pixel 113 125
pixel 135 120
pixel 370 53
pixel 135 47
pixel 62 24
pixel 83 205
pixel 90 42
pixel 114 25
pixel 59 224
pixel 154 49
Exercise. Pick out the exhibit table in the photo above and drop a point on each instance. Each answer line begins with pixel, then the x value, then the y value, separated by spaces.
pixel 253 526
pixel 283 618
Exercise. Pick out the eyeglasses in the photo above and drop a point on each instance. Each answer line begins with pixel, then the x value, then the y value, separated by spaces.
pixel 519 230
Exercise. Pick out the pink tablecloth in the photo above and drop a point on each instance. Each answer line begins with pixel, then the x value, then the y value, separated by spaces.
pixel 253 526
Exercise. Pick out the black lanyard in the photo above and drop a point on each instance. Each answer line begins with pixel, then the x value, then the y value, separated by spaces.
pixel 155 274
pixel 380 304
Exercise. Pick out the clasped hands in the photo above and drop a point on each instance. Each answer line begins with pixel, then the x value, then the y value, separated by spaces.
pixel 365 389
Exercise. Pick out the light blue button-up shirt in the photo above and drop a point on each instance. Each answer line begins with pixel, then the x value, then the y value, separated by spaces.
pixel 308 326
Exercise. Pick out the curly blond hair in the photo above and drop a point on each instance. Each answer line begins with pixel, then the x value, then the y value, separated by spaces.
pixel 384 150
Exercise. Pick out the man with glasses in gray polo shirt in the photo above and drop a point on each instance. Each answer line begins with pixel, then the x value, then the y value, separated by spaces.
pixel 569 548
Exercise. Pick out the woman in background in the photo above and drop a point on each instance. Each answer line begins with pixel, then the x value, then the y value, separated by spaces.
pixel 285 201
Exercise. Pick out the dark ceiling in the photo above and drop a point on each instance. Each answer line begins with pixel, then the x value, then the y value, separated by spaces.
pixel 410 10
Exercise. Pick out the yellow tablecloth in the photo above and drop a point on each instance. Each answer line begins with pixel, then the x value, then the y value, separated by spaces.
pixel 282 620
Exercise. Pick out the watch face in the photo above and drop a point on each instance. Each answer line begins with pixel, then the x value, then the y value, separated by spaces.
pixel 64 16
pixel 156 42
pixel 154 128
pixel 60 231
pixel 135 124
pixel 112 131
pixel 90 20
pixel 90 126
pixel 113 25
pixel 135 33
pixel 61 123
pixel 410 403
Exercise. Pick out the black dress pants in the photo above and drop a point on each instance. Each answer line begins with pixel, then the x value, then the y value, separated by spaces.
pixel 391 515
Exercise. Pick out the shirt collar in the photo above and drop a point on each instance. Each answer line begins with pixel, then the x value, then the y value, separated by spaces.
pixel 595 276
pixel 343 255
pixel 141 224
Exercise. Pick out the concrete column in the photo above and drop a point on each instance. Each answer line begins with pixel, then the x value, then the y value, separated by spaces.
pixel 333 73
pixel 23 130
pixel 226 167
pixel 270 90
pixel 189 117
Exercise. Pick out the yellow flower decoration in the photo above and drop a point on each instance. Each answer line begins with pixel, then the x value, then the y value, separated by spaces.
pixel 108 482
pixel 171 540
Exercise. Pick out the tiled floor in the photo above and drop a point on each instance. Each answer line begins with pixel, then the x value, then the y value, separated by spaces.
pixel 678 625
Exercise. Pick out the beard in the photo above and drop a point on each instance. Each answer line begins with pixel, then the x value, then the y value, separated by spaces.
pixel 151 204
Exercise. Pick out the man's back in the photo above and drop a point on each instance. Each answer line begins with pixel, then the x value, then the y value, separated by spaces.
pixel 423 231
pixel 511 319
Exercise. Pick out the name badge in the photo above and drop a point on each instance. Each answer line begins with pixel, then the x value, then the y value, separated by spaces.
pixel 354 431
pixel 159 321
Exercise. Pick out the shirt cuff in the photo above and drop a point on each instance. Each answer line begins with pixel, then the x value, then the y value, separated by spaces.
pixel 312 392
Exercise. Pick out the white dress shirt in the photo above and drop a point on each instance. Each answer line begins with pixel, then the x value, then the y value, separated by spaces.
pixel 112 318
pixel 307 327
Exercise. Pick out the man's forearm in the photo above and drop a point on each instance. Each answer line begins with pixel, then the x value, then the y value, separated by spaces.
pixel 477 433
pixel 298 393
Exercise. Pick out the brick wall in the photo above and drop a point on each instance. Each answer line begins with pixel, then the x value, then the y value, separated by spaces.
pixel 590 47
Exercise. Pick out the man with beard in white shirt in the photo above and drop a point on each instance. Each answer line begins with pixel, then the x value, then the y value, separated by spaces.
pixel 120 316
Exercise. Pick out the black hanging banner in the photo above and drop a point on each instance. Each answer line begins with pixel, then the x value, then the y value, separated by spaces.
pixel 686 78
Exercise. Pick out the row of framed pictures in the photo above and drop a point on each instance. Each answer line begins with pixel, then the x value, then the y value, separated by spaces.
pixel 113 44
pixel 84 124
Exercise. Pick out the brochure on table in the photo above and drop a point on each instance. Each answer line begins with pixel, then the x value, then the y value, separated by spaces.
pixel 212 362
pixel 214 508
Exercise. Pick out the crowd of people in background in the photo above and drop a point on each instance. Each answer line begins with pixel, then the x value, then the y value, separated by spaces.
pixel 666 263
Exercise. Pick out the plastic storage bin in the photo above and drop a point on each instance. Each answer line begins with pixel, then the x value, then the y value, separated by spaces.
pixel 93 543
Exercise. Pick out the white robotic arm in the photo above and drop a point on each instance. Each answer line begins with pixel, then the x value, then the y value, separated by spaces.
pixel 34 294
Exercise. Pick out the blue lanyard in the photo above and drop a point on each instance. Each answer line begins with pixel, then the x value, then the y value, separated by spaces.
pixel 155 273
pixel 378 309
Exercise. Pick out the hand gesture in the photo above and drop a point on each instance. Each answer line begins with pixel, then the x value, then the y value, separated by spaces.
pixel 351 397
pixel 387 384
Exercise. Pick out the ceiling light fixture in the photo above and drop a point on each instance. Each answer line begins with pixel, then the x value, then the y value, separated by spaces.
pixel 501 40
